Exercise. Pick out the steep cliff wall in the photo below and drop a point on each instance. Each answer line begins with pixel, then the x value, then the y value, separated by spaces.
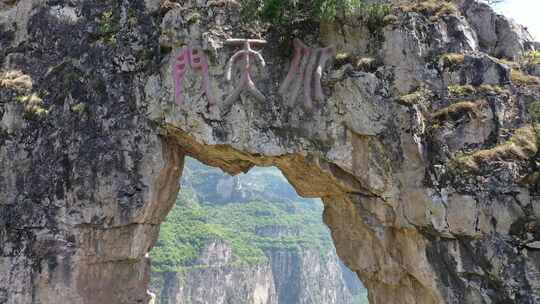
pixel 425 155
pixel 214 278
pixel 289 277
pixel 307 277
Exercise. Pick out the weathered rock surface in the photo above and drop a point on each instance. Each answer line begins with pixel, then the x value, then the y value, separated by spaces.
pixel 92 147
pixel 496 34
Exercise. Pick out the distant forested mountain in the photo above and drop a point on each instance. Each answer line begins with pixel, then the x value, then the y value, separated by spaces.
pixel 247 239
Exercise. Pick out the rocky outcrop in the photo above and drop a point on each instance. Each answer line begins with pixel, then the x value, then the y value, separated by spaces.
pixel 92 146
pixel 496 34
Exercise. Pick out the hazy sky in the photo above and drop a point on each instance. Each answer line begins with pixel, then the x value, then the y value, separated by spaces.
pixel 526 12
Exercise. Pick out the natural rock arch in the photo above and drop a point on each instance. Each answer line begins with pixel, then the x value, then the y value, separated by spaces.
pixel 379 262
pixel 92 144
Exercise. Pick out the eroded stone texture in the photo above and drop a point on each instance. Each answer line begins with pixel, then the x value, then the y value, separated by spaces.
pixel 425 197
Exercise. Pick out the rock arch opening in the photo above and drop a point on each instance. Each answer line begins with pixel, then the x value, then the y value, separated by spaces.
pixel 247 239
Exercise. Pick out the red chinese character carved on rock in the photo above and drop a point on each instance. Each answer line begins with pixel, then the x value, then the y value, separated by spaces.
pixel 306 69
pixel 194 58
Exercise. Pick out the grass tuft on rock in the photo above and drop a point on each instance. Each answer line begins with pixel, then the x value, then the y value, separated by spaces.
pixel 509 63
pixel 532 58
pixel 79 108
pixel 521 79
pixel 420 96
pixel 461 90
pixel 452 60
pixel 433 9
pixel 522 146
pixel 366 64
pixel 491 89
pixel 458 110
pixel 15 80
pixel 468 91
pixel 33 106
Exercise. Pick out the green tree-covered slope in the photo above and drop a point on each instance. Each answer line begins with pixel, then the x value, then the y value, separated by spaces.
pixel 265 214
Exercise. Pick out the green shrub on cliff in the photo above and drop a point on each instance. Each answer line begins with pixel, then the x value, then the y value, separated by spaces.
pixel 532 58
pixel 434 9
pixel 188 228
pixel 249 228
pixel 283 13
pixel 287 11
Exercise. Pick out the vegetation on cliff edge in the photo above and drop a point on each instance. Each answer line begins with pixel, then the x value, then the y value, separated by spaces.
pixel 283 13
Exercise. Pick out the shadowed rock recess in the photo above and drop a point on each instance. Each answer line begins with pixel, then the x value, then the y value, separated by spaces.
pixel 425 150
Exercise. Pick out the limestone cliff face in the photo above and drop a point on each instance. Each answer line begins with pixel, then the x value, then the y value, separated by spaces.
pixel 427 164
pixel 307 277
pixel 215 279
pixel 288 277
